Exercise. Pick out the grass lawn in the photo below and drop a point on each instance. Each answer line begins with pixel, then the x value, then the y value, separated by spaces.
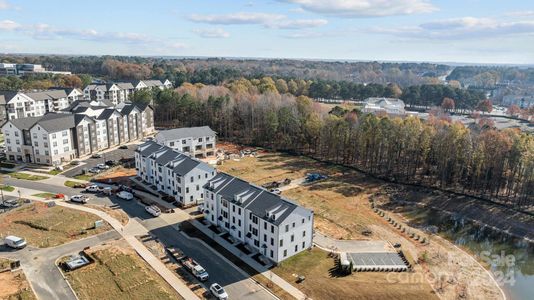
pixel 25 176
pixel 275 167
pixel 4 263
pixel 7 188
pixel 118 273
pixel 71 183
pixel 44 195
pixel 86 177
pixel 323 282
pixel 44 226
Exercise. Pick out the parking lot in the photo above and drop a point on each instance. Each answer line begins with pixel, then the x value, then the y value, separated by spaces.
pixel 88 163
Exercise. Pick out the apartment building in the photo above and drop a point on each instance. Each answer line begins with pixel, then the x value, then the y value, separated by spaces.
pixel 114 92
pixel 32 104
pixel 74 94
pixel 9 69
pixel 275 227
pixel 172 172
pixel 198 142
pixel 41 140
pixel 77 131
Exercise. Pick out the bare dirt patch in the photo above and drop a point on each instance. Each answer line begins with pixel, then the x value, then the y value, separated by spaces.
pixel 118 175
pixel 15 286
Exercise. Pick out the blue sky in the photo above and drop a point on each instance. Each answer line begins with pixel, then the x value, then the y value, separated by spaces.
pixel 477 31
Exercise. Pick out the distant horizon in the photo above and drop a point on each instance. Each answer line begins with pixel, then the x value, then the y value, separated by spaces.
pixel 449 63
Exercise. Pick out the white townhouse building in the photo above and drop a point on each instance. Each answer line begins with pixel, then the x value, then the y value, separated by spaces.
pixel 198 142
pixel 74 94
pixel 143 84
pixel 173 173
pixel 32 104
pixel 275 227
pixel 391 106
pixel 115 93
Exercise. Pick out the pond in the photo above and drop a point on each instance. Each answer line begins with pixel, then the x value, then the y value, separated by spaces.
pixel 511 259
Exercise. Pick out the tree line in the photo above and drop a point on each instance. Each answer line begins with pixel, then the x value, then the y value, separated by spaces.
pixel 483 162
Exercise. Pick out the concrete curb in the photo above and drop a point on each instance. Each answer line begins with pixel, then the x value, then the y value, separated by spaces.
pixel 65 278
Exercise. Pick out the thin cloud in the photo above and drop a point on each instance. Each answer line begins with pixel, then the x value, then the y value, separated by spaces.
pixel 4 5
pixel 212 33
pixel 266 20
pixel 527 13
pixel 365 8
pixel 8 25
pixel 461 28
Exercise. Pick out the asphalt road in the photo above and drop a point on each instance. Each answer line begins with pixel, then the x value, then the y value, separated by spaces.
pixel 39 265
pixel 237 285
pixel 114 155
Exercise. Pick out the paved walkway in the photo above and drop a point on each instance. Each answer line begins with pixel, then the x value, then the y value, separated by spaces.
pixel 129 232
pixel 355 246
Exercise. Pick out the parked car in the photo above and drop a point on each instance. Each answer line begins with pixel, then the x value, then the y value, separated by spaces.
pixel 15 242
pixel 12 203
pixel 75 162
pixel 96 155
pixel 153 210
pixel 94 170
pixel 124 195
pixel 79 199
pixel 276 191
pixel 218 291
pixel 93 188
pixel 102 166
pixel 110 163
pixel 123 147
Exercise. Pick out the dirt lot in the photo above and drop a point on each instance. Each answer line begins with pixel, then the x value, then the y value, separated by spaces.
pixel 118 273
pixel 342 210
pixel 14 286
pixel 44 226
pixel 323 282
pixel 274 167
pixel 116 175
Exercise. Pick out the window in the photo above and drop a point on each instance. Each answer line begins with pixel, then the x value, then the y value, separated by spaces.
pixel 254 219
pixel 65 141
pixel 296 248
pixel 281 243
pixel 171 144
pixel 34 135
pixel 45 136
pixel 55 152
pixel 303 245
pixel 272 229
pixel 271 253
pixel 285 253
pixel 16 133
pixel 293 224
pixel 36 144
pixel 183 142
pixel 239 222
pixel 292 238
pixel 187 189
pixel 265 225
pixel 265 238
pixel 46 152
pixel 272 242
pixel 55 144
pixel 239 211
pixel 200 140
pixel 8 141
pixel 233 220
pixel 53 135
pixel 303 233
pixel 198 187
pixel 66 149
pixel 65 133
pixel 303 221
pixel 192 178
pixel 37 151
pixel 287 228
pixel 17 142
pixel 45 144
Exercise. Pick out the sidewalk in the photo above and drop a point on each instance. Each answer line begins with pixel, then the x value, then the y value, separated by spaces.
pixel 128 232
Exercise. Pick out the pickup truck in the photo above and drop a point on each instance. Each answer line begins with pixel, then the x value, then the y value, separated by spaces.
pixel 195 269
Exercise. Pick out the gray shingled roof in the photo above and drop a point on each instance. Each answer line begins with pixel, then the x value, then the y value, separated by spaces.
pixel 185 166
pixel 152 83
pixel 51 94
pixel 180 133
pixel 106 113
pixel 25 123
pixel 125 85
pixel 152 147
pixel 167 156
pixel 256 199
pixel 79 117
pixel 6 96
pixel 56 122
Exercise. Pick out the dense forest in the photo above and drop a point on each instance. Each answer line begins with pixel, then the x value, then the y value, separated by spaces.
pixel 218 70
pixel 482 161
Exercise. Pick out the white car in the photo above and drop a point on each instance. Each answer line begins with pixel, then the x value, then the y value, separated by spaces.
pixel 102 166
pixel 124 195
pixel 153 210
pixel 79 198
pixel 92 188
pixel 218 291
